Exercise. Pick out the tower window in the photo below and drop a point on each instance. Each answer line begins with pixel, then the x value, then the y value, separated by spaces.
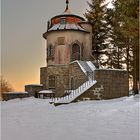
pixel 75 52
pixel 50 50
pixel 63 21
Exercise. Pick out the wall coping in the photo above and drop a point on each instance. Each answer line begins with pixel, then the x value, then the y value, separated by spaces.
pixel 15 93
pixel 35 85
pixel 111 70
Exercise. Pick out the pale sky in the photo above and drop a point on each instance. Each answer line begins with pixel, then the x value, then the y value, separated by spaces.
pixel 23 47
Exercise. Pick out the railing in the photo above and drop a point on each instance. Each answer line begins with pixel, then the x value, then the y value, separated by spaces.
pixel 90 75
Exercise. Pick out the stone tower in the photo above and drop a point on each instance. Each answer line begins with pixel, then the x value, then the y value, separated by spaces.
pixel 68 38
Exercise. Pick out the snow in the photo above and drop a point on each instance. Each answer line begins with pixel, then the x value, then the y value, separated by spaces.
pixel 34 85
pixel 16 92
pixel 46 91
pixel 55 27
pixel 62 27
pixel 68 26
pixel 36 119
pixel 81 67
pixel 112 69
pixel 91 65
pixel 73 26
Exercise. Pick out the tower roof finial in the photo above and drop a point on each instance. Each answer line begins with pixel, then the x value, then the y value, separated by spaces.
pixel 67 1
pixel 67 6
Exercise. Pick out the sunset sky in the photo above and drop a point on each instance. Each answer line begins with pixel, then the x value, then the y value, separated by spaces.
pixel 23 47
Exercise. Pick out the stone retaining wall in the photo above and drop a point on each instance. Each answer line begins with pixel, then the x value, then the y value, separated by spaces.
pixel 9 96
pixel 77 74
pixel 110 84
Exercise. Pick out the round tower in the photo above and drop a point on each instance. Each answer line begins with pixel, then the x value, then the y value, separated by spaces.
pixel 68 38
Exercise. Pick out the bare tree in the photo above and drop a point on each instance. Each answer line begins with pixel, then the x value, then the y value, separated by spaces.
pixel 5 86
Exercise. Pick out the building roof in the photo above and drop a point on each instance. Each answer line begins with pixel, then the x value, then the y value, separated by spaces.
pixel 67 26
pixel 71 22
pixel 64 14
pixel 46 91
pixel 15 92
pixel 67 10
pixel 36 85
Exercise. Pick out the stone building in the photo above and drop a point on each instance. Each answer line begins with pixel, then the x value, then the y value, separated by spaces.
pixel 69 71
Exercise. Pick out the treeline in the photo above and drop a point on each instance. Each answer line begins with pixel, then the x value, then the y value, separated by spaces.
pixel 116 35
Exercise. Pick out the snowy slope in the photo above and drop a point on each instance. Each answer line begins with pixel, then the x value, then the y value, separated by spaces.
pixel 36 119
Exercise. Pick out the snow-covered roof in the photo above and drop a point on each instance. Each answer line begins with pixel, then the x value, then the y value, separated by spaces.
pixel 34 85
pixel 112 69
pixel 66 26
pixel 16 93
pixel 46 91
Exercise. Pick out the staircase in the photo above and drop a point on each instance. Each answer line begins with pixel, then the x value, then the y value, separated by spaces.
pixel 88 68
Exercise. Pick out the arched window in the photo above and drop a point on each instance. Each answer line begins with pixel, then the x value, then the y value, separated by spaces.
pixel 52 81
pixel 50 50
pixel 75 52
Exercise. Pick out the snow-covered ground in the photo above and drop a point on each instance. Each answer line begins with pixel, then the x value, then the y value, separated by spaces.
pixel 36 119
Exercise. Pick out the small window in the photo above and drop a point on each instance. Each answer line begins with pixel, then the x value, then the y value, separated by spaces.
pixel 61 40
pixel 63 21
pixel 50 50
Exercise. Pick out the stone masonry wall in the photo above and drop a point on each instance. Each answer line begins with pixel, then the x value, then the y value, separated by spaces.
pixel 77 74
pixel 61 72
pixel 7 96
pixel 43 76
pixel 110 84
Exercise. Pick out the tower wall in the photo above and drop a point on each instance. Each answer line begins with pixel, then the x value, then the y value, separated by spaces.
pixel 61 41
